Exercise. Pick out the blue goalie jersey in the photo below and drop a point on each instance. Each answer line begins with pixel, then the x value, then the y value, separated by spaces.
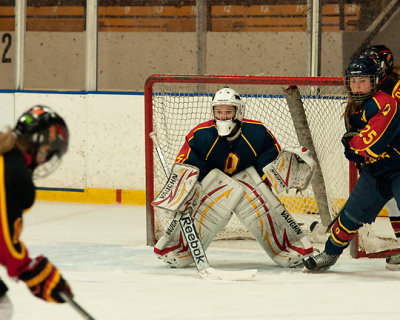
pixel 205 149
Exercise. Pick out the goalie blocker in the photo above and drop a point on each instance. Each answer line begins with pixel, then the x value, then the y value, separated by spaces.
pixel 215 200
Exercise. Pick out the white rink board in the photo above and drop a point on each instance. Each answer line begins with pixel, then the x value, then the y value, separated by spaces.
pixel 106 139
pixel 107 148
pixel 7 111
pixel 71 173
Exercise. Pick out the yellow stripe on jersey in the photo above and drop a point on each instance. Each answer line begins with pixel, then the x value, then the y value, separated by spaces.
pixel 396 150
pixel 249 144
pixel 337 240
pixel 372 154
pixel 212 147
pixel 43 274
pixel 201 128
pixel 396 91
pixel 4 218
pixel 363 117
pixel 50 286
pixel 376 101
pixel 344 228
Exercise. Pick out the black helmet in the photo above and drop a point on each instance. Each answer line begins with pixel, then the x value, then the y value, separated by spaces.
pixel 383 57
pixel 46 136
pixel 362 68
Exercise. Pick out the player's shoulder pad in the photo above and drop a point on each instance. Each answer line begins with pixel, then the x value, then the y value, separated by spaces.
pixel 254 127
pixel 254 122
pixel 387 86
pixel 248 124
pixel 380 99
pixel 208 125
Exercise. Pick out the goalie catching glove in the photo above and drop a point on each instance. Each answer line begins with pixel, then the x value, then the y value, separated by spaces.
pixel 45 281
pixel 293 168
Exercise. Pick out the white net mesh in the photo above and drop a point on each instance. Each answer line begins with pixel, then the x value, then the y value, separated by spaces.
pixel 178 107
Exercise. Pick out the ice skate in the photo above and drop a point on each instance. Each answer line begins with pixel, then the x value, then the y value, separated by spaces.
pixel 393 262
pixel 321 262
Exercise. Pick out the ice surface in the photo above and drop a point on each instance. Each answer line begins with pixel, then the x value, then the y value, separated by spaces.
pixel 101 251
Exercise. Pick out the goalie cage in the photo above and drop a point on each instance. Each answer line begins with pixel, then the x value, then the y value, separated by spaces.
pixel 298 111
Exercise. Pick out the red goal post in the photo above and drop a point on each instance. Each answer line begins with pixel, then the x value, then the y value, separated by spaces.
pixel 298 110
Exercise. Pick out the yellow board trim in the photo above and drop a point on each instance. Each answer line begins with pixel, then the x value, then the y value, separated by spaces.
pixel 94 195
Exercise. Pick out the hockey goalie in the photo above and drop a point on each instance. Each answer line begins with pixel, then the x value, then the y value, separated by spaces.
pixel 227 166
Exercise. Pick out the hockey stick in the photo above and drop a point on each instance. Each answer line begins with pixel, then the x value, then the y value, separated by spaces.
pixel 68 299
pixel 193 241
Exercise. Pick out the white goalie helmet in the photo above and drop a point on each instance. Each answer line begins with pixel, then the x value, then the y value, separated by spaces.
pixel 228 96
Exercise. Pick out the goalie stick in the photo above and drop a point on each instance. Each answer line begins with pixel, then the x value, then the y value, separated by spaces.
pixel 68 299
pixel 196 249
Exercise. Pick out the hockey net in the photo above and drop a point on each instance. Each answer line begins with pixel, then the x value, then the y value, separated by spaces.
pixel 298 111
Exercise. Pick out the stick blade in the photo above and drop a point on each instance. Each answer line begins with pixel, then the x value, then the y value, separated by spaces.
pixel 241 275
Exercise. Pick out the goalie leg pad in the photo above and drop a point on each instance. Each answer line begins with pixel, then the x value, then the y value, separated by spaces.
pixel 268 221
pixel 210 211
pixel 172 247
pixel 220 195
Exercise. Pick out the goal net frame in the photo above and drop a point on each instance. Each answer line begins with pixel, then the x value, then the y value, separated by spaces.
pixel 290 83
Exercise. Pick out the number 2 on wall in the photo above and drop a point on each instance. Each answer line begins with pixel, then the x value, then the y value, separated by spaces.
pixel 6 38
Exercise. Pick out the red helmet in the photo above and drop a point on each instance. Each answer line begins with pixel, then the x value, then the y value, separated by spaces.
pixel 46 135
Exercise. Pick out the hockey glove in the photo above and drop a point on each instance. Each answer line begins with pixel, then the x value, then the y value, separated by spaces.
pixel 45 281
pixel 348 136
pixel 357 121
pixel 350 155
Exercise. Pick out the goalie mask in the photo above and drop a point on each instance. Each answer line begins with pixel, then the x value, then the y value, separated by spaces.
pixel 361 68
pixel 45 136
pixel 227 97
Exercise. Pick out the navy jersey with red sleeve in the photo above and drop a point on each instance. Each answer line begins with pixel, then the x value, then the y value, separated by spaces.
pixel 205 149
pixel 379 140
pixel 17 194
pixel 358 120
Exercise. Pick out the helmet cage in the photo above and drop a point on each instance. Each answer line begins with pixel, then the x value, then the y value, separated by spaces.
pixel 44 169
pixel 361 97
pixel 362 68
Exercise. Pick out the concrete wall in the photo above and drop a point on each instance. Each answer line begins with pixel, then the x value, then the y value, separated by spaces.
pixel 56 60
pixel 125 60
